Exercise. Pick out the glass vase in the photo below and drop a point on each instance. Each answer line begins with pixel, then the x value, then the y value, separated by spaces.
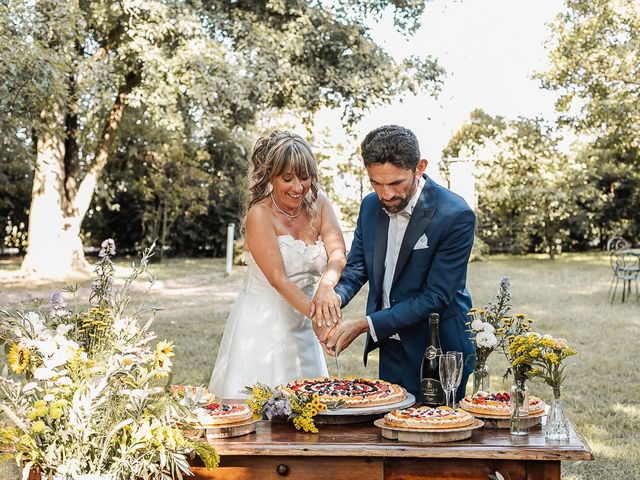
pixel 481 376
pixel 557 427
pixel 519 408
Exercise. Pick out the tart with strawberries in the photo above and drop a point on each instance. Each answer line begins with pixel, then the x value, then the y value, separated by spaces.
pixel 220 414
pixel 497 404
pixel 427 418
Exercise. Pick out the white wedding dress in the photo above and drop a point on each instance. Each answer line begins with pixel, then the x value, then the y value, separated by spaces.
pixel 265 339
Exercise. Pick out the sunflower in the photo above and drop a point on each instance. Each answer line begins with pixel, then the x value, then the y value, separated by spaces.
pixel 164 352
pixel 164 349
pixel 18 358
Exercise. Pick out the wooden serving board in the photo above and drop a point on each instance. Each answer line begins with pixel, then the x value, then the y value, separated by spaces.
pixel 344 416
pixel 231 429
pixel 501 421
pixel 435 435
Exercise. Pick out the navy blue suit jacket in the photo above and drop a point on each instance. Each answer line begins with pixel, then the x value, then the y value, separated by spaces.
pixel 425 280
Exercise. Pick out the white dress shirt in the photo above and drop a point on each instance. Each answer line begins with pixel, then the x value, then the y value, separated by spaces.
pixel 397 227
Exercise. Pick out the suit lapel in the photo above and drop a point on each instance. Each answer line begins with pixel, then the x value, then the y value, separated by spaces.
pixel 380 252
pixel 420 218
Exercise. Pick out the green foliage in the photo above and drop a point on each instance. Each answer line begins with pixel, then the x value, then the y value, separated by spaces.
pixel 529 193
pixel 595 53
pixel 193 77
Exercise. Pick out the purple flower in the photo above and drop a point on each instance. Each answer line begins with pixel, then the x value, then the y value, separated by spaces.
pixel 108 248
pixel 277 407
pixel 57 301
pixel 58 305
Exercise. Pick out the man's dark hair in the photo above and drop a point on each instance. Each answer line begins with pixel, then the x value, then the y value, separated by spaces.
pixel 391 143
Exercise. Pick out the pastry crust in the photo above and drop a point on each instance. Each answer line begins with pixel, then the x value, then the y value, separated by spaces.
pixel 217 414
pixel 428 418
pixel 352 392
pixel 497 404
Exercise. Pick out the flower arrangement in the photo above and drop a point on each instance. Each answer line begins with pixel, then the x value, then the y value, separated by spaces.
pixel 274 403
pixel 96 399
pixel 547 359
pixel 487 327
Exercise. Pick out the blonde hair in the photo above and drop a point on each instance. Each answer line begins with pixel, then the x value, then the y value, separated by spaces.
pixel 277 154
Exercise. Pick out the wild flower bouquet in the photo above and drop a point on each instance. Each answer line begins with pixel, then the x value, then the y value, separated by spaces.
pixel 274 403
pixel 486 326
pixel 548 356
pixel 95 399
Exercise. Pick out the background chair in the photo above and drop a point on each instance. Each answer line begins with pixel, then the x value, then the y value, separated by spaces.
pixel 617 243
pixel 626 267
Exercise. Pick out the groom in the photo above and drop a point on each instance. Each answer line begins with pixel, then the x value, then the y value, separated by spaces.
pixel 412 243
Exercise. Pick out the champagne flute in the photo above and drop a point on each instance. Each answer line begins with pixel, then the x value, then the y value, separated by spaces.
pixel 447 375
pixel 459 368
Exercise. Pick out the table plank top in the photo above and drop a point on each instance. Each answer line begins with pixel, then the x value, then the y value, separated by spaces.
pixel 365 440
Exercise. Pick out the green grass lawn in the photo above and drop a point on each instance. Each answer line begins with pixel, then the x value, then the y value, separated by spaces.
pixel 567 297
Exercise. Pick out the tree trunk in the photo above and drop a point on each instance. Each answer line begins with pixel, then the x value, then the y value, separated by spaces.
pixel 55 248
pixel 57 208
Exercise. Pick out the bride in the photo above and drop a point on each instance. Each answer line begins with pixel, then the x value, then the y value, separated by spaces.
pixel 294 249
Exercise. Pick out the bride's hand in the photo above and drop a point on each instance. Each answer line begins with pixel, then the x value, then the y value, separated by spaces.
pixel 325 306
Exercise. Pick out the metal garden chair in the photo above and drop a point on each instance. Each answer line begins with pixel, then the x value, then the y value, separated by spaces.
pixel 626 268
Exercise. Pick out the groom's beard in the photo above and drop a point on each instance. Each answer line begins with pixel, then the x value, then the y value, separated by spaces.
pixel 398 203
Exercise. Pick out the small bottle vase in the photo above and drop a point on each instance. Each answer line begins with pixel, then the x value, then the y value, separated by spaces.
pixel 557 426
pixel 481 377
pixel 519 425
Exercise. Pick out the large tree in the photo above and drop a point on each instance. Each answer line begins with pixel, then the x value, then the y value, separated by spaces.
pixel 595 59
pixel 529 193
pixel 72 69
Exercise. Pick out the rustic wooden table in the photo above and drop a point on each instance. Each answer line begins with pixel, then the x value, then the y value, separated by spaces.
pixel 277 451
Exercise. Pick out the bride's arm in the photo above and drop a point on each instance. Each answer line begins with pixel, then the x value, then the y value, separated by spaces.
pixel 326 304
pixel 262 242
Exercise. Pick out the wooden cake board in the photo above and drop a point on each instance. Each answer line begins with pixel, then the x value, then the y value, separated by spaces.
pixel 501 421
pixel 229 430
pixel 434 435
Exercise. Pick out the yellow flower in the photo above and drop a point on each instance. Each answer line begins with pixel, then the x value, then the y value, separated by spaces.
pixel 551 357
pixel 18 358
pixel 164 349
pixel 547 342
pixel 305 423
pixel 55 413
pixel 42 411
pixel 37 427
pixel 535 352
pixel 39 404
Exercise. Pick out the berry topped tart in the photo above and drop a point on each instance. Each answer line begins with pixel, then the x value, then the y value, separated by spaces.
pixel 498 404
pixel 428 418
pixel 219 414
pixel 349 392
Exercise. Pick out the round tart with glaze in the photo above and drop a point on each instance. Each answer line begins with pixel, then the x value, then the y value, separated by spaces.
pixel 219 414
pixel 497 404
pixel 428 418
pixel 350 392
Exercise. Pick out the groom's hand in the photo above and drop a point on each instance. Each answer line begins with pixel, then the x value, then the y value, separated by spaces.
pixel 345 333
pixel 322 330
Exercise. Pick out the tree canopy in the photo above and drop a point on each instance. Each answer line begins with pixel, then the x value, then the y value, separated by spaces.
pixel 173 85
pixel 595 59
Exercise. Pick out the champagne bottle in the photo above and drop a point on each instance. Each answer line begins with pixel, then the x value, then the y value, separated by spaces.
pixel 431 390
